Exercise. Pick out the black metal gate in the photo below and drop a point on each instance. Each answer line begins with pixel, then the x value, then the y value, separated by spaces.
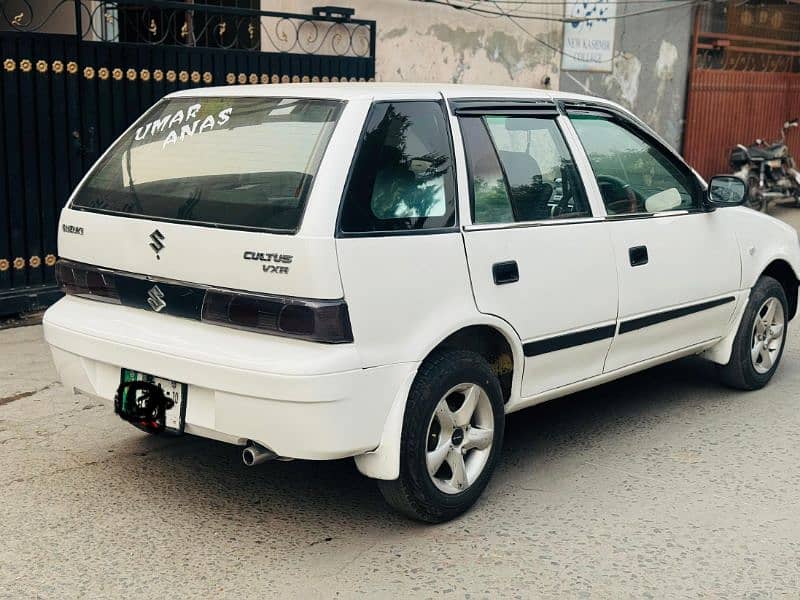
pixel 64 97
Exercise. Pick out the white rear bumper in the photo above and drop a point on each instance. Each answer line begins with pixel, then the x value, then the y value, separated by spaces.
pixel 300 399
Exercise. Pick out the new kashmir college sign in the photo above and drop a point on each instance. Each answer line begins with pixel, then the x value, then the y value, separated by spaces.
pixel 588 36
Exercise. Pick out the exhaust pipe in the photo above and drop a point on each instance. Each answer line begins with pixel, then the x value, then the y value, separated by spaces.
pixel 255 454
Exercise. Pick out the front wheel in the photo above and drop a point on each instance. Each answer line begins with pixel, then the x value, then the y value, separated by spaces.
pixel 759 342
pixel 451 439
pixel 755 194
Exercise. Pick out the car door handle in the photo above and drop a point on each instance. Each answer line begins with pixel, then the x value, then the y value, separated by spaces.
pixel 638 255
pixel 505 272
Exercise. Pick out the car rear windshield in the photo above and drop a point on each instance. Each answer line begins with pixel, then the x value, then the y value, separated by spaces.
pixel 235 162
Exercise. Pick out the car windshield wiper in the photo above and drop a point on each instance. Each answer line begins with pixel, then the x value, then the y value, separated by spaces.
pixel 131 185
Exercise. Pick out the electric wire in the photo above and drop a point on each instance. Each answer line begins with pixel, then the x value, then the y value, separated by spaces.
pixel 512 17
pixel 499 12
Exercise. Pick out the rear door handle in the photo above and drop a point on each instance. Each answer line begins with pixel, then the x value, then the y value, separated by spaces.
pixel 505 272
pixel 638 255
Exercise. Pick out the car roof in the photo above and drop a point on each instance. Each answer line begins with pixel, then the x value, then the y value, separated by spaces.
pixel 378 91
pixel 402 91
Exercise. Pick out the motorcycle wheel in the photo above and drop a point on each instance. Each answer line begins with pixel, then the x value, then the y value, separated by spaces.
pixel 755 199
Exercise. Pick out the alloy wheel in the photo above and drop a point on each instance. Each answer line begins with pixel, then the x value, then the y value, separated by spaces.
pixel 767 335
pixel 459 439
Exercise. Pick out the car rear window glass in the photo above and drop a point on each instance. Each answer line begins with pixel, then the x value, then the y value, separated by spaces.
pixel 402 177
pixel 238 162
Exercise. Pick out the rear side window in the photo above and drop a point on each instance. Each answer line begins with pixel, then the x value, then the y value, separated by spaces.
pixel 521 170
pixel 237 162
pixel 491 202
pixel 402 176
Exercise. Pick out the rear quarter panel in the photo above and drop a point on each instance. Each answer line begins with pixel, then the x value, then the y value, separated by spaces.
pixel 406 293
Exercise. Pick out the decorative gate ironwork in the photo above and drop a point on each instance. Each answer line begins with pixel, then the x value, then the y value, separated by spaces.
pixel 744 80
pixel 64 97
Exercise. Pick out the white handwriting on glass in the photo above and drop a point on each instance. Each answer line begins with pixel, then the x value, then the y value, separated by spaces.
pixel 171 121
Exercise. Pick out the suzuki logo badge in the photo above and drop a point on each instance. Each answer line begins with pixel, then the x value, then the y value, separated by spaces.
pixel 157 242
pixel 155 298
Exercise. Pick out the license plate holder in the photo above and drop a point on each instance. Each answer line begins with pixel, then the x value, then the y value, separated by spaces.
pixel 175 417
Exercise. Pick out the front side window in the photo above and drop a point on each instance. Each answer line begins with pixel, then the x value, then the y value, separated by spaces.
pixel 633 175
pixel 402 175
pixel 521 170
pixel 239 162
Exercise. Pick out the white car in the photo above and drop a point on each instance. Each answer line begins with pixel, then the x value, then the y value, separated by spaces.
pixel 385 271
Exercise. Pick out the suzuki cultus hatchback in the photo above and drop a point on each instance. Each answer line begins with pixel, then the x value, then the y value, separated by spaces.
pixel 386 271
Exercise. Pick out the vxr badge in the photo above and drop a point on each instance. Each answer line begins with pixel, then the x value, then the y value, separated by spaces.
pixel 157 242
pixel 155 298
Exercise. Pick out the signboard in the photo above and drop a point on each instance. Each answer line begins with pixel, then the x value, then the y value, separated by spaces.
pixel 588 36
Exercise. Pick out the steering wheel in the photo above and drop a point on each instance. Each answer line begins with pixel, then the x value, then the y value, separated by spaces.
pixel 618 196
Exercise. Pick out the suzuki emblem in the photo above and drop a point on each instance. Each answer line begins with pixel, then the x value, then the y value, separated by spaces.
pixel 155 298
pixel 157 242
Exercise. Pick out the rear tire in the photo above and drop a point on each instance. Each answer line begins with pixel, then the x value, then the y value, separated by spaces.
pixel 451 439
pixel 760 339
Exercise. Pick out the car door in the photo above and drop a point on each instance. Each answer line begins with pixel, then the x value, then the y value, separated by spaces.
pixel 538 256
pixel 678 265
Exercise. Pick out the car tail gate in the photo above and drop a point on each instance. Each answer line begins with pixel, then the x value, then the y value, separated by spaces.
pixel 209 193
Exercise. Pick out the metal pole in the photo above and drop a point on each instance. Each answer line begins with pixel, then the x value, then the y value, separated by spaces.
pixel 687 137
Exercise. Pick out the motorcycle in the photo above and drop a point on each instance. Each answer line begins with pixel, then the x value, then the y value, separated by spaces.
pixel 768 170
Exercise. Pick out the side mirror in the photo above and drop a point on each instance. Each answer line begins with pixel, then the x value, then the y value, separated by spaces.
pixel 726 190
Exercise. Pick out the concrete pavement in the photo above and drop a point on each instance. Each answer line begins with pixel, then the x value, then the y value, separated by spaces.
pixel 661 485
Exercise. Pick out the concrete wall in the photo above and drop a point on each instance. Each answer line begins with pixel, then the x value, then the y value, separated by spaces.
pixel 428 42
pixel 650 68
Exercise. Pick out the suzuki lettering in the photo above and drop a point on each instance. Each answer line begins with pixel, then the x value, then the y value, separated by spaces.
pixel 157 242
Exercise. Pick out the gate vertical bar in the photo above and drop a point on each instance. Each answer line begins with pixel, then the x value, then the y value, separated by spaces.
pixel 78 25
pixel 5 225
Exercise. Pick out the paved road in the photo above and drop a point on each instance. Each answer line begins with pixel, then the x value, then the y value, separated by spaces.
pixel 662 485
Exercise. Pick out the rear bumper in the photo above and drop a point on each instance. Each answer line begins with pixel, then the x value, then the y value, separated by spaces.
pixel 300 399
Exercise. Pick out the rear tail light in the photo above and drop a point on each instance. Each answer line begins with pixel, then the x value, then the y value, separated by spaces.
pixel 316 320
pixel 82 280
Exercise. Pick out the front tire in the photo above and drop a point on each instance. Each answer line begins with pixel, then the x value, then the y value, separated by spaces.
pixel 451 438
pixel 759 342
pixel 755 195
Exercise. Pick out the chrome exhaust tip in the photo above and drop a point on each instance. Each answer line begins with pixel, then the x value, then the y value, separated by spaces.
pixel 254 454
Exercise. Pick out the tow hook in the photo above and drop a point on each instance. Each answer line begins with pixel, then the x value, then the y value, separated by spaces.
pixel 143 404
